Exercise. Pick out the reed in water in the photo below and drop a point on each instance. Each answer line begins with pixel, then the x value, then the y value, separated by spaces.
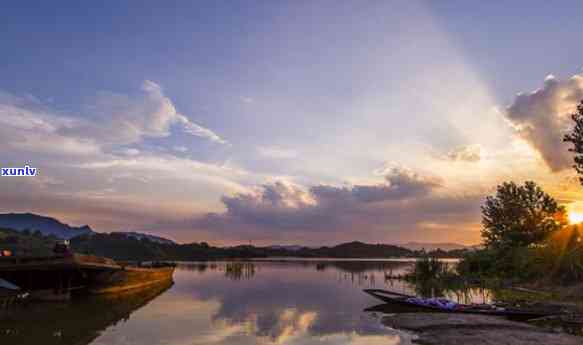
pixel 239 270
pixel 431 268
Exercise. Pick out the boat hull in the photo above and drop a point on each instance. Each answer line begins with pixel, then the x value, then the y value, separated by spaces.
pixel 60 276
pixel 401 300
pixel 128 278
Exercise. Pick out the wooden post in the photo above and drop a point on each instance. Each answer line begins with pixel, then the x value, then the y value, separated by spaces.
pixel 69 280
pixel 57 282
pixel 29 280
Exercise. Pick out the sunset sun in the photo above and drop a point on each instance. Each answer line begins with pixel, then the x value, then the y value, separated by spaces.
pixel 575 218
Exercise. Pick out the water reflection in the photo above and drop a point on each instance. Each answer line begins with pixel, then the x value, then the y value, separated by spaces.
pixel 239 270
pixel 77 322
pixel 287 303
pixel 237 302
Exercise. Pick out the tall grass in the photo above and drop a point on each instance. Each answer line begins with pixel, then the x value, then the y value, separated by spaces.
pixel 432 277
pixel 431 268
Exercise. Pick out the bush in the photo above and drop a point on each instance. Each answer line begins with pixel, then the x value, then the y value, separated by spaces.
pixel 561 258
pixel 431 268
pixel 477 264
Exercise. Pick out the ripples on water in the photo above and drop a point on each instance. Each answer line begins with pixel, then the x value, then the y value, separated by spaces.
pixel 262 302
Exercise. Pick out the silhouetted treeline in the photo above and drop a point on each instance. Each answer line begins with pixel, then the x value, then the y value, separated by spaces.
pixel 122 247
pixel 126 248
pixel 26 242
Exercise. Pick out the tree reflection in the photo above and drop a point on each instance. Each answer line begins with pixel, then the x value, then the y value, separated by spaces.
pixel 239 270
pixel 78 322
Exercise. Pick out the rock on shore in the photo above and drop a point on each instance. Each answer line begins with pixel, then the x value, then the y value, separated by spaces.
pixel 454 329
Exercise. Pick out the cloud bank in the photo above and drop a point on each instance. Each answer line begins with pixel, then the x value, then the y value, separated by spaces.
pixel 111 120
pixel 541 118
pixel 121 119
pixel 469 153
pixel 96 166
pixel 403 203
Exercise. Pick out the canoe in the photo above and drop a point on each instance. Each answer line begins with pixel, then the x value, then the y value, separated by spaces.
pixel 391 297
pixel 10 293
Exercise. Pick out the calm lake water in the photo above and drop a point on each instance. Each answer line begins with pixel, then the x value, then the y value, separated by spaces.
pixel 261 302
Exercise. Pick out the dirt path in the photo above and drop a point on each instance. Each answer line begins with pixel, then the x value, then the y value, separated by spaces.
pixel 454 329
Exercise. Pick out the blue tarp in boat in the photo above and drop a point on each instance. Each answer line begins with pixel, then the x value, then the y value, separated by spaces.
pixel 8 285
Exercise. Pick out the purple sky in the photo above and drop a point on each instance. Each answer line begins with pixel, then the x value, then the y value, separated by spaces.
pixel 285 122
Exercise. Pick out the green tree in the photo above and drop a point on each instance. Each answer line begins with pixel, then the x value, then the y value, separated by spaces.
pixel 520 216
pixel 575 137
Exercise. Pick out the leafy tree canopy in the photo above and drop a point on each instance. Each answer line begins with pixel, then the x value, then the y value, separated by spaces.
pixel 520 216
pixel 575 137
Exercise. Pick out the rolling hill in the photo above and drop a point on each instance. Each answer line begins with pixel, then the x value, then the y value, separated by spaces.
pixel 46 225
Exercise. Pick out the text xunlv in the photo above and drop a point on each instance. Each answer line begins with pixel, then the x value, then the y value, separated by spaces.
pixel 23 171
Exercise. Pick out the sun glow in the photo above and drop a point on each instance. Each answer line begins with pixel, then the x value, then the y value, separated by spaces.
pixel 575 218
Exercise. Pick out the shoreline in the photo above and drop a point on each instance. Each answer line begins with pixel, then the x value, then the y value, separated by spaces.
pixel 451 329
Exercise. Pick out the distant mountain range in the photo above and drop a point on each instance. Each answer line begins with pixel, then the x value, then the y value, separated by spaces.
pixel 46 225
pixel 139 236
pixel 433 246
pixel 51 226
pixel 357 249
pixel 446 246
pixel 135 245
pixel 291 248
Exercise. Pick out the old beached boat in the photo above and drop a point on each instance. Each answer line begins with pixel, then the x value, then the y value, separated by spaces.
pixel 57 277
pixel 446 306
pixel 134 275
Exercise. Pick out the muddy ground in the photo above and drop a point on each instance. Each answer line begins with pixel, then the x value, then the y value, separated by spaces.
pixel 458 329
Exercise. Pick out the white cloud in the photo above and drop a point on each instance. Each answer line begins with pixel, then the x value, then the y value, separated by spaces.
pixel 199 131
pixel 170 167
pixel 542 116
pixel 23 127
pixel 120 119
pixel 247 100
pixel 130 152
pixel 113 120
pixel 468 153
pixel 277 152
pixel 180 149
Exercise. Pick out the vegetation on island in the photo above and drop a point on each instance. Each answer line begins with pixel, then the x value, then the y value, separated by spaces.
pixel 522 228
pixel 120 247
pixel 526 234
pixel 125 246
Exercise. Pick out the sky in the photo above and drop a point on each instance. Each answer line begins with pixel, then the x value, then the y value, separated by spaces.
pixel 289 122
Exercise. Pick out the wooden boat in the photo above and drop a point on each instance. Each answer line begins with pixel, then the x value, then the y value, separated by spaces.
pixel 391 297
pixel 131 276
pixel 57 277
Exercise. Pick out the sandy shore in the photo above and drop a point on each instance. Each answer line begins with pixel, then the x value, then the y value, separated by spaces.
pixel 454 329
